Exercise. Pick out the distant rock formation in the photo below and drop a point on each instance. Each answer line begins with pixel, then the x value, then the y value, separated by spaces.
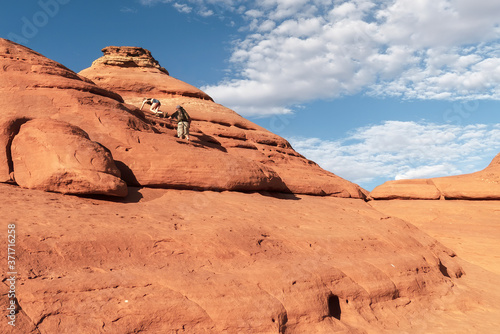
pixel 481 185
pixel 227 152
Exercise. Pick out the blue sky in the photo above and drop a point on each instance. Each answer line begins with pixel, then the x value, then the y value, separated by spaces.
pixel 370 90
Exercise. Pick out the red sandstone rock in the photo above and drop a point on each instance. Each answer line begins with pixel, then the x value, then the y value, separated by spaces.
pixel 128 56
pixel 227 152
pixel 56 156
pixel 218 127
pixel 133 70
pixel 406 189
pixel 484 184
pixel 140 150
pixel 209 262
pixel 166 261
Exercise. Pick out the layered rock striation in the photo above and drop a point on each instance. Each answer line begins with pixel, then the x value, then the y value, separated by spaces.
pixel 128 56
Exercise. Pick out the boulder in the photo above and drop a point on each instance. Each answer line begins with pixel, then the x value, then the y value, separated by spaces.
pixel 56 156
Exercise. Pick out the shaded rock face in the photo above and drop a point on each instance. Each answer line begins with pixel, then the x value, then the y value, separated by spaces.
pixel 240 141
pixel 481 185
pixel 56 156
pixel 9 127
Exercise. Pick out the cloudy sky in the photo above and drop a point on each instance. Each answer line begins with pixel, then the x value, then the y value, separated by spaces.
pixel 370 90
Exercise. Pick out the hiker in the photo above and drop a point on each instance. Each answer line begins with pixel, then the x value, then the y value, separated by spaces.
pixel 183 122
pixel 155 106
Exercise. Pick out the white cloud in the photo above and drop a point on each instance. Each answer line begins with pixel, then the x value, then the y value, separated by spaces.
pixel 397 150
pixel 182 8
pixel 204 8
pixel 253 13
pixel 295 51
pixel 206 12
pixel 423 172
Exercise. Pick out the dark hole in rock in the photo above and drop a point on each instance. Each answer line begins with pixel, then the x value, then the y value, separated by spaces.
pixel 334 306
pixel 443 270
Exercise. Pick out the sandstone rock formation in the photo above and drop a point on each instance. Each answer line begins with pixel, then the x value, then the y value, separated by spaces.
pixel 231 152
pixel 207 262
pixel 56 156
pixel 172 260
pixel 481 185
pixel 128 56
pixel 237 140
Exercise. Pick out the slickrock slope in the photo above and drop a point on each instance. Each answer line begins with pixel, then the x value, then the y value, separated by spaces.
pixel 213 125
pixel 166 261
pixel 466 219
pixel 481 185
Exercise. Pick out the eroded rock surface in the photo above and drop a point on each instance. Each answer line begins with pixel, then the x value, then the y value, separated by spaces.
pixel 227 152
pixel 226 262
pixel 128 56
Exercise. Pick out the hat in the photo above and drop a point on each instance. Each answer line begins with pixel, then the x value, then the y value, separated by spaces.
pixel 178 107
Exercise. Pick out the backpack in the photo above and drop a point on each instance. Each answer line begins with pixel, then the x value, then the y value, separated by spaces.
pixel 183 116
